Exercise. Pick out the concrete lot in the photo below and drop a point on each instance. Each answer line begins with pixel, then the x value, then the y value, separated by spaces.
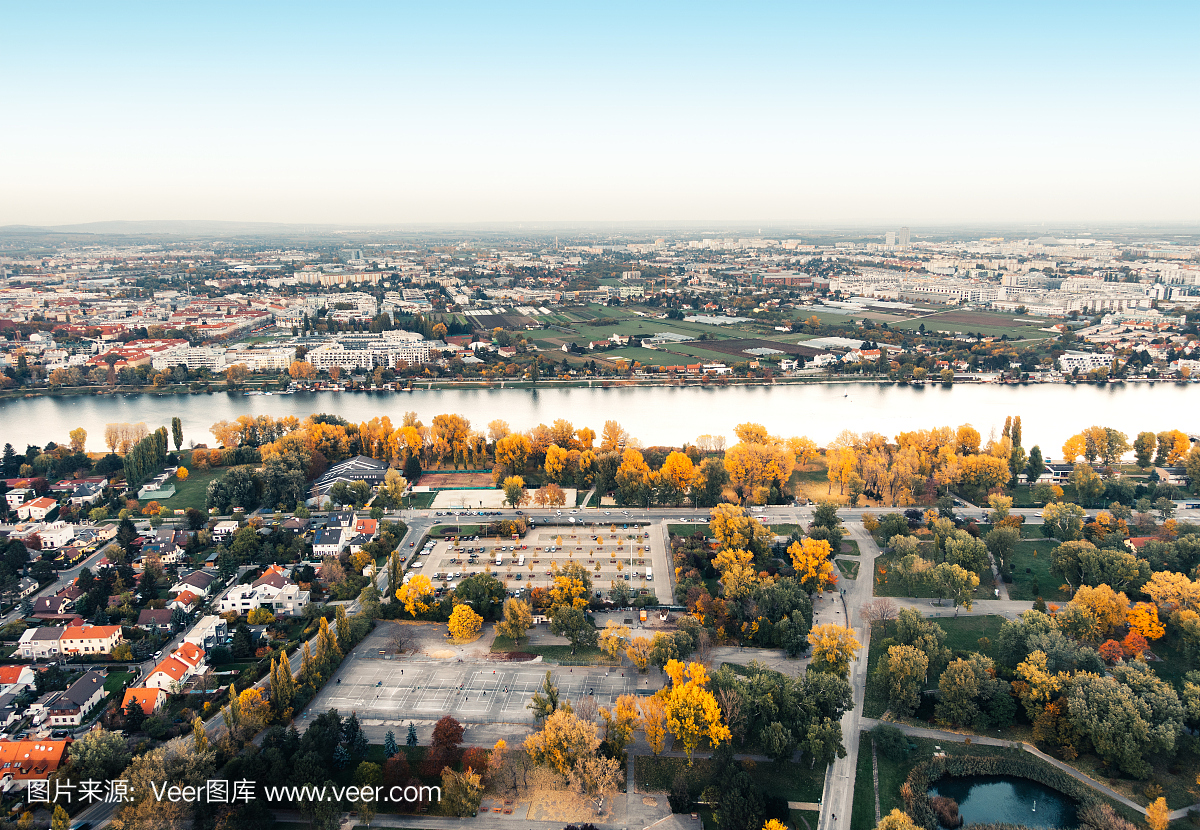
pixel 636 548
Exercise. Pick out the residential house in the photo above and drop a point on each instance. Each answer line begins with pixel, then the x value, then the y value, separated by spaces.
pixel 185 601
pixel 85 495
pixel 275 576
pixel 55 535
pixel 151 618
pixel 198 582
pixel 9 713
pixel 342 519
pixel 37 509
pixel 295 524
pixel 209 632
pixel 16 679
pixel 245 598
pixel 150 700
pixel 18 496
pixel 90 639
pixel 367 527
pixel 25 587
pixel 290 601
pixel 328 542
pixel 50 606
pixel 357 543
pixel 172 673
pixel 31 759
pixel 69 708
pixel 40 643
pixel 223 530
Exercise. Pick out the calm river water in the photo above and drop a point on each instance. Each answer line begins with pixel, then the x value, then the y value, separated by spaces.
pixel 655 415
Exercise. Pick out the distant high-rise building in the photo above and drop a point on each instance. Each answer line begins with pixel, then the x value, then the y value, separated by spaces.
pixel 905 238
pixel 352 254
pixel 889 238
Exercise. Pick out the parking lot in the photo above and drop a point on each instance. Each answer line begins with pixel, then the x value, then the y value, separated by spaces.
pixel 399 690
pixel 635 553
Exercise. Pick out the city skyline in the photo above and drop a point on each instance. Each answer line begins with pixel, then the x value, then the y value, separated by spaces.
pixel 468 113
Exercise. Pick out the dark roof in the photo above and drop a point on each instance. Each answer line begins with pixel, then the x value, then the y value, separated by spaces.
pixel 80 692
pixel 158 616
pixel 328 537
pixel 358 468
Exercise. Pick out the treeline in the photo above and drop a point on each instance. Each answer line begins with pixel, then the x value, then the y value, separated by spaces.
pixel 145 458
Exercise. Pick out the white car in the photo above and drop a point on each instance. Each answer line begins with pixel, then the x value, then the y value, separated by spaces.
pixel 417 565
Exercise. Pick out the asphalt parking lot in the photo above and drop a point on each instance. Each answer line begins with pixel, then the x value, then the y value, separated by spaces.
pixel 629 547
pixel 400 690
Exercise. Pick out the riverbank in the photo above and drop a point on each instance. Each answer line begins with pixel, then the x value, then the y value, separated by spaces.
pixel 716 382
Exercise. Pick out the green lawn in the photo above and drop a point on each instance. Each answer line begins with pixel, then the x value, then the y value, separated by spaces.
pixel 193 492
pixel 850 548
pixel 1031 572
pixel 785 529
pixel 422 501
pixel 963 633
pixel 848 569
pixel 116 680
pixel 863 815
pixel 687 530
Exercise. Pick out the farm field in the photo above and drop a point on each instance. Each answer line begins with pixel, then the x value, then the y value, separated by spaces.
pixel 980 323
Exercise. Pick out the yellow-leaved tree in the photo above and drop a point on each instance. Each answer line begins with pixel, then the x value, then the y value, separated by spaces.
pixel 1157 814
pixel 613 638
pixel 415 593
pixel 810 558
pixel 693 714
pixel 834 646
pixel 638 652
pixel 563 739
pixel 654 722
pixel 737 572
pixel 464 623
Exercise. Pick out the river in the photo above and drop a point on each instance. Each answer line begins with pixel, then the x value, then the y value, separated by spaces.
pixel 654 414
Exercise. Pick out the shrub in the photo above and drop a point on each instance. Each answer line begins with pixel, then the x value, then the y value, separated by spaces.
pixel 890 742
pixel 679 798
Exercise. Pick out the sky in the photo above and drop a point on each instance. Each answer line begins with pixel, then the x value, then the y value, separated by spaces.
pixel 404 112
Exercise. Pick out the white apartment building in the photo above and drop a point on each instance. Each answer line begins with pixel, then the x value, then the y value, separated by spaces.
pixel 1083 361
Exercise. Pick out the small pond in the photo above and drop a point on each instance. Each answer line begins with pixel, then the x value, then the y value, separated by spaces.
pixel 985 799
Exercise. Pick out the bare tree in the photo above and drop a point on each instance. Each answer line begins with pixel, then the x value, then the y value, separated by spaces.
pixel 586 709
pixel 732 710
pixel 596 777
pixel 401 640
pixel 879 610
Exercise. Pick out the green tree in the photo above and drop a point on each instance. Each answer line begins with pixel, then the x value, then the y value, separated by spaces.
pixel 573 624
pixel 544 702
pixel 1088 485
pixel 1143 448
pixel 177 432
pixel 1035 466
pixel 1002 542
pixel 1063 521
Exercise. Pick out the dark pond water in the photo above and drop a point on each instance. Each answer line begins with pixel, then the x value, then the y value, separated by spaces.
pixel 985 799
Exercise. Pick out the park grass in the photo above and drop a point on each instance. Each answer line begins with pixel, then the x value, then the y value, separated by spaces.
pixel 963 633
pixel 848 569
pixel 192 493
pixel 795 782
pixel 962 636
pixel 1029 531
pixel 804 818
pixel 1034 555
pixel 850 548
pixel 785 529
pixel 862 816
pixel 687 530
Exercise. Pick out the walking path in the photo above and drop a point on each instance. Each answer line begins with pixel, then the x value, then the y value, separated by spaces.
pixel 958 737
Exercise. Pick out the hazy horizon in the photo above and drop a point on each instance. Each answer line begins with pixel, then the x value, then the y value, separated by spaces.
pixel 372 114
